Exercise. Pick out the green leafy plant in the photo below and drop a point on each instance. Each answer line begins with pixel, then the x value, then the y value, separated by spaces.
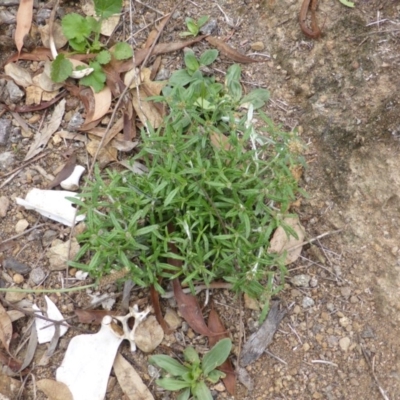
pixel 191 376
pixel 215 188
pixel 194 26
pixel 83 34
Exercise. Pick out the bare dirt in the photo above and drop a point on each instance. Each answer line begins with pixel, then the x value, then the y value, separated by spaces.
pixel 341 93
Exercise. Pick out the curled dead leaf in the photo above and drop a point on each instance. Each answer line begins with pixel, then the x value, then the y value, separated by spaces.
pixel 282 242
pixel 24 22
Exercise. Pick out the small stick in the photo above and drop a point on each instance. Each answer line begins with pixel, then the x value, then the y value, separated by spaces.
pixel 274 356
pixel 324 362
pixel 381 391
pixel 22 233
pixel 65 290
pixel 314 239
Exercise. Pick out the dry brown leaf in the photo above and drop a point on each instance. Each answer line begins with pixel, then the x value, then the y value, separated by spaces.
pixel 15 315
pixel 33 95
pixel 107 154
pixel 111 134
pixel 102 103
pixel 59 38
pixel 281 242
pixel 229 51
pixel 21 76
pixel 220 141
pixel 31 349
pixel 44 135
pixel 93 316
pixel 38 54
pixel 9 387
pixel 155 302
pixel 54 390
pixel 24 22
pixel 130 381
pixel 161 48
pixel 6 329
pixel 65 172
pixel 215 324
pixel 190 310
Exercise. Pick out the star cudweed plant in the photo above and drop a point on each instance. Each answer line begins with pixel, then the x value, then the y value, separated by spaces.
pixel 192 376
pixel 216 188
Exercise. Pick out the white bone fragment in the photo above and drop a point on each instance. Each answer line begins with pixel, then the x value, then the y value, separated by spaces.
pixel 129 334
pixel 88 361
pixel 46 329
pixel 72 182
pixel 52 204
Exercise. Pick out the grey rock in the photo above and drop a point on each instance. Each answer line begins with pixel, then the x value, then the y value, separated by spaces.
pixel 313 282
pixel 6 17
pixel 14 92
pixel 330 307
pixel 367 333
pixel 163 75
pixel 153 371
pixel 301 280
pixel 307 302
pixel 5 130
pixel 42 15
pixel 13 264
pixel 209 27
pixel 48 237
pixel 75 122
pixel 345 292
pixel 37 276
pixel 6 160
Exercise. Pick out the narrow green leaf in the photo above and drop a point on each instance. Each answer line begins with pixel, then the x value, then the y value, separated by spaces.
pixel 191 355
pixel 191 61
pixel 172 384
pixel 216 356
pixel 171 196
pixel 208 57
pixel 169 364
pixel 202 392
pixel 184 395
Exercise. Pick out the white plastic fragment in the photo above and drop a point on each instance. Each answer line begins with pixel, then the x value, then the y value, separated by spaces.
pixel 52 204
pixel 46 329
pixel 88 362
pixel 72 182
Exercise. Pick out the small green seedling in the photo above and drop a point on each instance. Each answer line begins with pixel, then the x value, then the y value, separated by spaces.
pixel 191 376
pixel 83 34
pixel 194 26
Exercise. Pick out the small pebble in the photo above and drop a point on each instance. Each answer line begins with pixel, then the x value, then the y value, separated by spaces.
pixel 4 204
pixel 301 280
pixel 345 292
pixel 313 282
pixel 209 27
pixel 37 275
pixel 257 46
pixel 16 266
pixel 330 307
pixel 344 321
pixel 344 343
pixel 307 302
pixel 21 225
pixel 6 160
pixel 306 347
pixel 18 278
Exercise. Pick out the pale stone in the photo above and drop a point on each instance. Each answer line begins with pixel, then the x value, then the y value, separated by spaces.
pixel 18 278
pixel 58 254
pixel 21 225
pixel 149 335
pixel 344 343
pixel 172 319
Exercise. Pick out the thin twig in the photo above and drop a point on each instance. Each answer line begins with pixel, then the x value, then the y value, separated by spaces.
pixel 314 239
pixel 367 359
pixel 22 233
pixel 276 357
pixel 324 362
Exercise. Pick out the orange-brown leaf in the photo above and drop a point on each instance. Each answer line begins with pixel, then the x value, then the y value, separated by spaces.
pixel 229 51
pixel 93 316
pixel 24 22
